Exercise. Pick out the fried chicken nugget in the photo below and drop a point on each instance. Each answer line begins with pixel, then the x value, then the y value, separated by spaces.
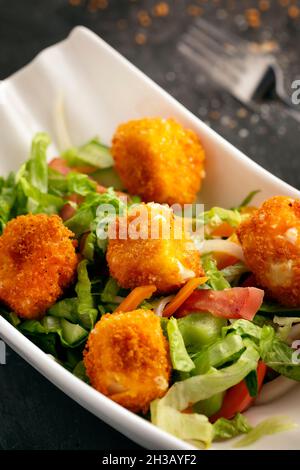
pixel 37 261
pixel 159 160
pixel 127 358
pixel 156 257
pixel 271 244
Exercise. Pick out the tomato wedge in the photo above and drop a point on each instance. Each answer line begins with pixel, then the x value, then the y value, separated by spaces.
pixel 237 398
pixel 59 164
pixel 238 302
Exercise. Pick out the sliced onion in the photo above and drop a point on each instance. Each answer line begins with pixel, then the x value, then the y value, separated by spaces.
pixel 60 123
pixel 274 389
pixel 294 333
pixel 158 310
pixel 223 246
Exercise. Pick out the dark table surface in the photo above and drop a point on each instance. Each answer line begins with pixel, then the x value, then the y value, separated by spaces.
pixel 33 413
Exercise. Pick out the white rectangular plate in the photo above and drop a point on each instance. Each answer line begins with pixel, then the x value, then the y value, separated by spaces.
pixel 101 89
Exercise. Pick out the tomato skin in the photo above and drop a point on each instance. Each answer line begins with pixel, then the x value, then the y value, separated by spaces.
pixel 237 302
pixel 237 398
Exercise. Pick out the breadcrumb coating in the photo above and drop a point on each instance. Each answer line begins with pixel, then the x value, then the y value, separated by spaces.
pixel 37 261
pixel 159 160
pixel 127 358
pixel 271 244
pixel 166 263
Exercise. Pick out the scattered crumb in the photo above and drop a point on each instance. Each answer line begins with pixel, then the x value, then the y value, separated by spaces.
pixel 161 9
pixel 194 10
pixel 140 38
pixel 144 18
pixel 253 17
pixel 264 5
pixel 294 11
pixel 242 113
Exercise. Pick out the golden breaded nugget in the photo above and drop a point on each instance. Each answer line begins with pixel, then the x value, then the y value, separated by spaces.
pixel 37 261
pixel 127 358
pixel 271 244
pixel 159 160
pixel 156 257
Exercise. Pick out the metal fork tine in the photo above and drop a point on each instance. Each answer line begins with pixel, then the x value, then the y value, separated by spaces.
pixel 214 58
pixel 206 64
pixel 221 35
pixel 216 47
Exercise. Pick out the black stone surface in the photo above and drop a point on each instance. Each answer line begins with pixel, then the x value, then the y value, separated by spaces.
pixel 33 413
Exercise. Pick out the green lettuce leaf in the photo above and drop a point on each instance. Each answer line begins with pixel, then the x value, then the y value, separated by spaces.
pixel 266 428
pixel 199 329
pixel 271 307
pixel 110 291
pixel 180 359
pixel 278 355
pixel 190 427
pixel 200 387
pixel 217 354
pixel 245 202
pixel 92 153
pixel 216 279
pixel 216 215
pixel 244 328
pixel 71 335
pixel 37 164
pixel 233 273
pixel 66 308
pixel 228 428
pixel 87 313
pixel 8 195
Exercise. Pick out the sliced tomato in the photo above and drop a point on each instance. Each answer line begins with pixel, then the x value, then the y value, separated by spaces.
pixel 59 164
pixel 67 211
pixel 238 302
pixel 237 399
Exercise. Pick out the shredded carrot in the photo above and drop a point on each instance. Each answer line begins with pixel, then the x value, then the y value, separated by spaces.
pixel 223 230
pixel 183 294
pixel 135 298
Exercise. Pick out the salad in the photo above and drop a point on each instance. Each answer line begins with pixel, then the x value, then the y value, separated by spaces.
pixel 187 317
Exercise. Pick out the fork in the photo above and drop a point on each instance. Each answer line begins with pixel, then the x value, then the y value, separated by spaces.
pixel 249 76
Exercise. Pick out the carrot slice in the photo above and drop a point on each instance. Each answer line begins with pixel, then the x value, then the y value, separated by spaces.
pixel 135 298
pixel 183 294
pixel 223 230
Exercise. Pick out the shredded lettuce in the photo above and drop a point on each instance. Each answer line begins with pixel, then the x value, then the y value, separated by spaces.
pixel 218 353
pixel 228 428
pixel 92 153
pixel 245 202
pixel 180 359
pixel 188 426
pixel 71 335
pixel 87 313
pixel 8 196
pixel 233 273
pixel 216 279
pixel 270 307
pixel 266 428
pixel 210 406
pixel 89 247
pixel 200 387
pixel 199 329
pixel 216 215
pixel 66 308
pixel 37 167
pixel 110 291
pixel 278 355
pixel 243 328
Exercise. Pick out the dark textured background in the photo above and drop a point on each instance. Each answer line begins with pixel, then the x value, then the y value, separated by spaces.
pixel 33 413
